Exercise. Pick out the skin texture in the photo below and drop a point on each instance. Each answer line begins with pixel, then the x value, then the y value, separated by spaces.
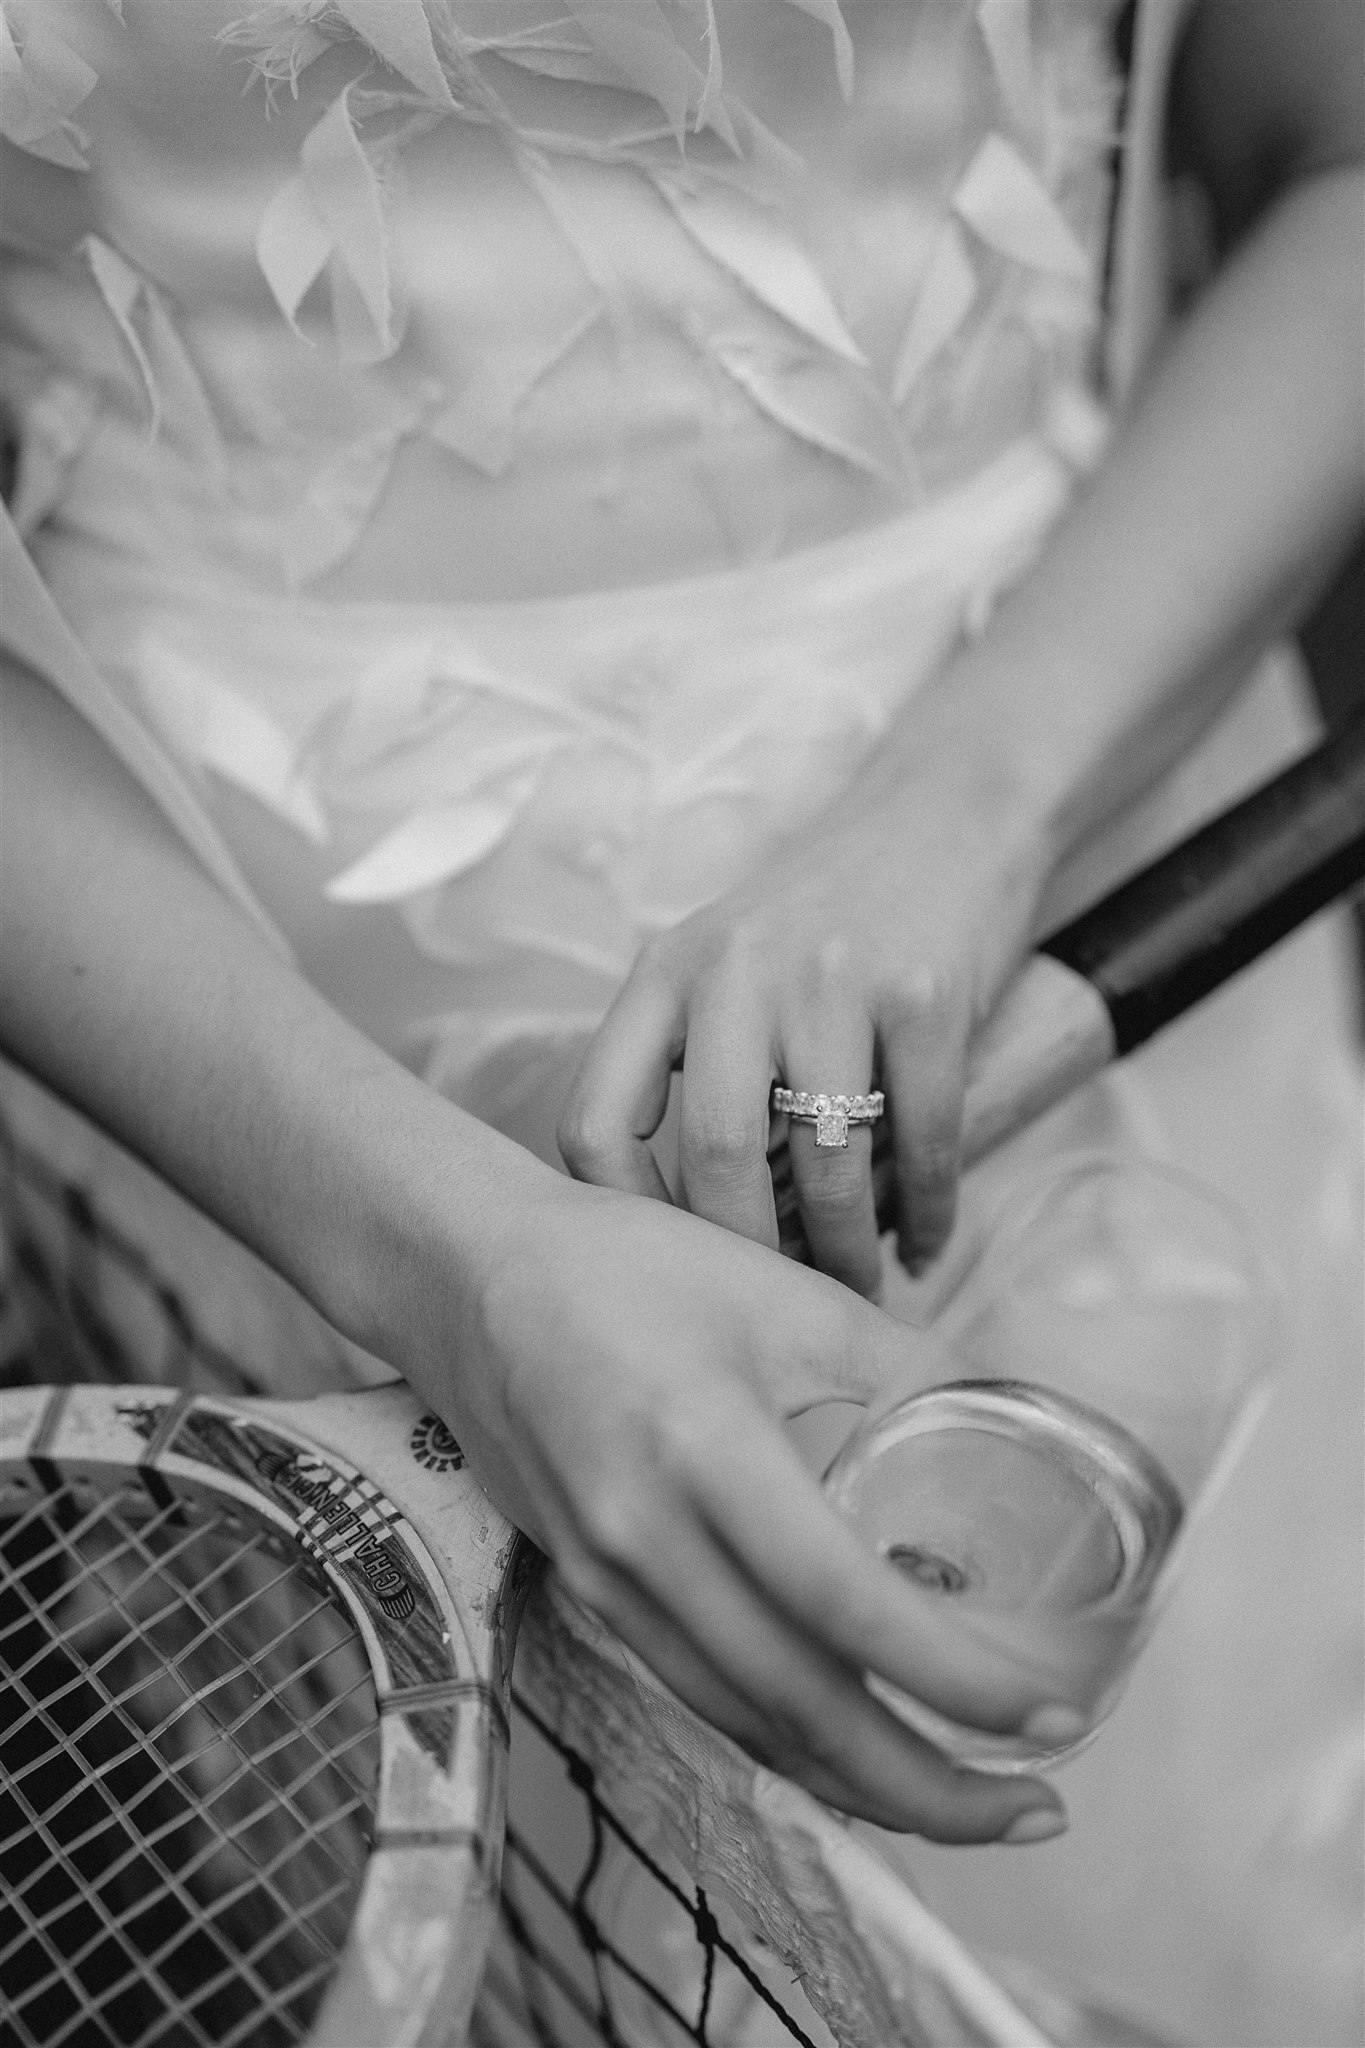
pixel 613 1367
pixel 618 1368
pixel 872 950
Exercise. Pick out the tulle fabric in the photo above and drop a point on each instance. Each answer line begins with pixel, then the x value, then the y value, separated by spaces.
pixel 468 817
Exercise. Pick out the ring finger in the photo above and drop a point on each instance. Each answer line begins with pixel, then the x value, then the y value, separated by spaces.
pixel 831 1155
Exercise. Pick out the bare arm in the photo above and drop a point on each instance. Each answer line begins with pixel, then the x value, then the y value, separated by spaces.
pixel 614 1371
pixel 1239 475
pixel 881 940
pixel 138 991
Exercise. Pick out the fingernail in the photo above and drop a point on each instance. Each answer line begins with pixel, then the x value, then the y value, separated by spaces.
pixel 1037 1824
pixel 1055 1726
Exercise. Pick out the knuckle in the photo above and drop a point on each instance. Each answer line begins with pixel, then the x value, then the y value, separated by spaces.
pixel 833 1220
pixel 691 1435
pixel 830 964
pixel 744 947
pixel 699 949
pixel 717 1146
pixel 933 1160
pixel 654 961
pixel 737 963
pixel 839 1190
pixel 924 993
pixel 615 1525
pixel 587 1140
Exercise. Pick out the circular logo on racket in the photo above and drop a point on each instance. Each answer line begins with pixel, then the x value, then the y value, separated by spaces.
pixel 432 1444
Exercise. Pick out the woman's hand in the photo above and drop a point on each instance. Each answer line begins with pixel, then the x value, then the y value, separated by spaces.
pixel 618 1388
pixel 864 954
pixel 615 1369
pixel 867 952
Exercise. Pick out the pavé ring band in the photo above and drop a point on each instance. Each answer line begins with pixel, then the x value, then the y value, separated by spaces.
pixel 831 1114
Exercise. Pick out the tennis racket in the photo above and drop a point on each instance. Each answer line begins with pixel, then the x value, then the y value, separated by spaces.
pixel 253 1732
pixel 253 1746
pixel 254 1736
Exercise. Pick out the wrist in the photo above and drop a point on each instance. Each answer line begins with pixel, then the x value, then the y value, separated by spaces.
pixel 963 752
pixel 428 1204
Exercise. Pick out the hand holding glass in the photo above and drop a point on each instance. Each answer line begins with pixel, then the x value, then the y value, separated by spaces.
pixel 1106 1359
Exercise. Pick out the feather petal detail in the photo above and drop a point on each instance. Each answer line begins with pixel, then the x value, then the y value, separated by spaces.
pixel 828 12
pixel 1005 203
pixel 120 286
pixel 337 505
pixel 944 299
pixel 402 37
pixel 480 424
pixel 293 244
pixel 214 727
pixel 636 40
pixel 818 401
pixel 345 191
pixel 432 845
pixel 755 247
pixel 41 85
pixel 332 213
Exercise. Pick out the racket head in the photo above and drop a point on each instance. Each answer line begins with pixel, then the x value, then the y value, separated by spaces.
pixel 344 1534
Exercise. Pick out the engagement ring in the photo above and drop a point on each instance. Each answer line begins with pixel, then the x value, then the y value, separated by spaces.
pixel 831 1114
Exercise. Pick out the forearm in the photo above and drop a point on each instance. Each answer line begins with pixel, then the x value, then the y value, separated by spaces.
pixel 134 988
pixel 1223 504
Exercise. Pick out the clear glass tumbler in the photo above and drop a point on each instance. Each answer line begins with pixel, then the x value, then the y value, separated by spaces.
pixel 1104 1363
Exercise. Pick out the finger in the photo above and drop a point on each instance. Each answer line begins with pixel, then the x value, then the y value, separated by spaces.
pixel 620 1091
pixel 990 1672
pixel 838 1213
pixel 924 1061
pixel 700 1626
pixel 833 1180
pixel 723 1115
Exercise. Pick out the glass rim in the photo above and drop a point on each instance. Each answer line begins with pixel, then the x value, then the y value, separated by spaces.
pixel 1138 1598
pixel 1019 1198
pixel 1016 1210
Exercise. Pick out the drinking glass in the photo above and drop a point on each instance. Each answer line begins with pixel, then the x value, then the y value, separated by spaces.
pixel 1102 1366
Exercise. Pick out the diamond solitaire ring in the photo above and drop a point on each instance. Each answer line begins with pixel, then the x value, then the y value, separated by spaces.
pixel 831 1114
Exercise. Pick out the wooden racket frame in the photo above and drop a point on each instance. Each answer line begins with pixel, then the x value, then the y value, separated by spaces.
pixel 435 1580
pixel 374 1489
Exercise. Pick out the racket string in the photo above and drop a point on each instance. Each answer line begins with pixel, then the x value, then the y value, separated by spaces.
pixel 82 1302
pixel 198 1701
pixel 189 1748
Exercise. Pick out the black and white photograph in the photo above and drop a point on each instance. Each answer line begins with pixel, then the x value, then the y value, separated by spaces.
pixel 682 1023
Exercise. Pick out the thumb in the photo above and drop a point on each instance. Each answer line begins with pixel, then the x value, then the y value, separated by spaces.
pixel 854 1351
